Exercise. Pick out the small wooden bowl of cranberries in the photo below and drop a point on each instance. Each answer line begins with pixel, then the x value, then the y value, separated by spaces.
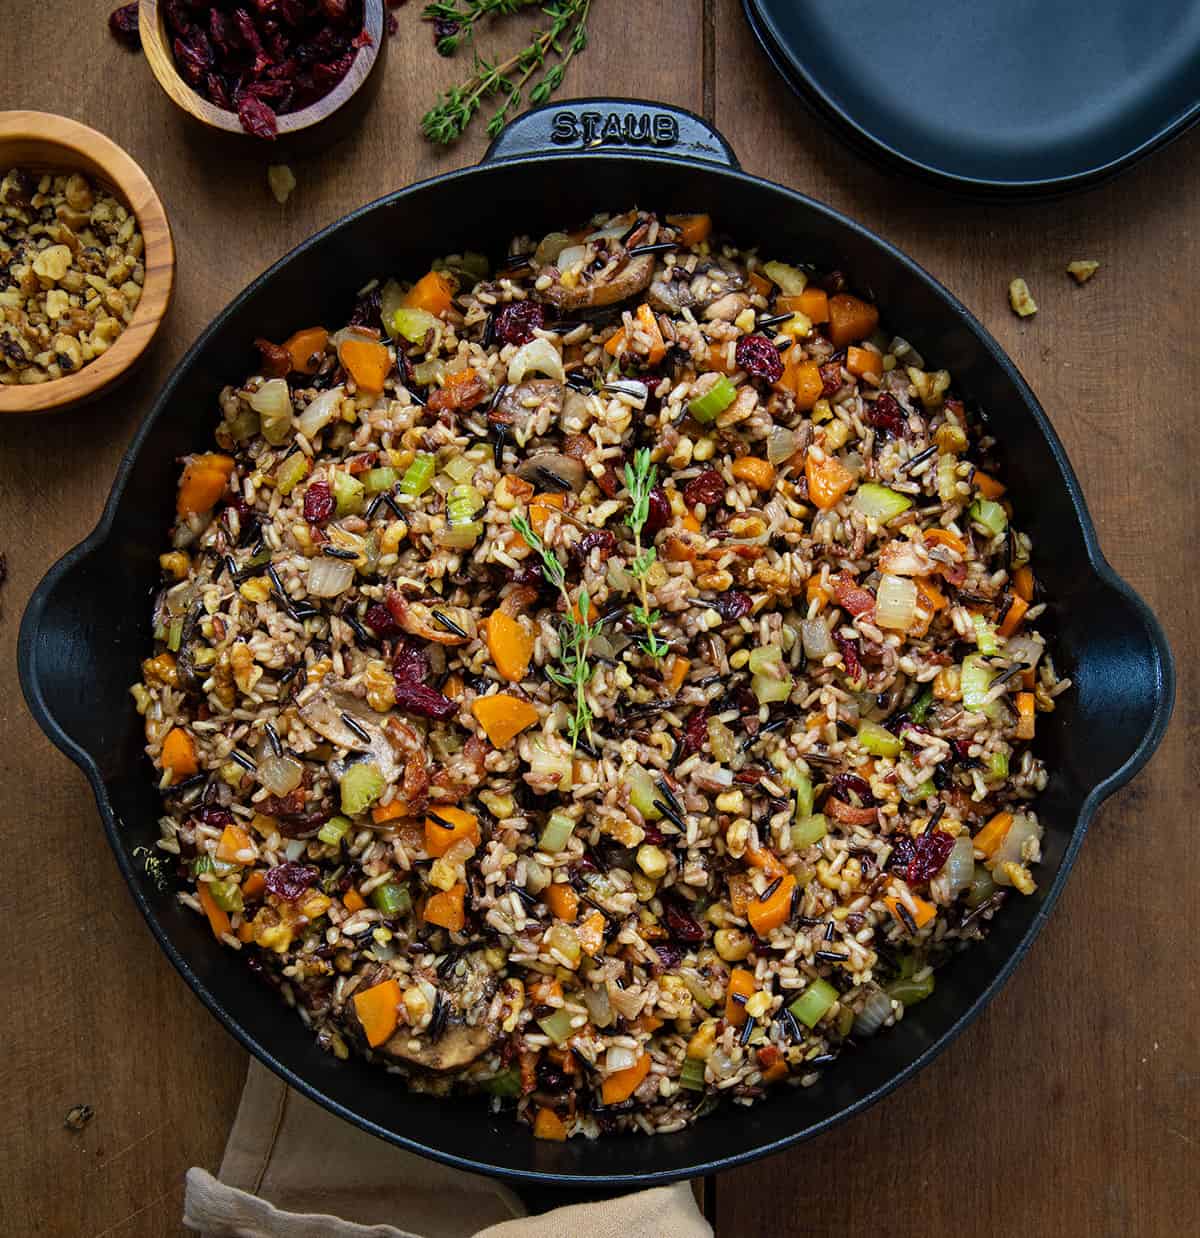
pixel 266 71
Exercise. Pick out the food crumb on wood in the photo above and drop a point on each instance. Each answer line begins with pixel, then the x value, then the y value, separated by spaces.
pixel 78 1116
pixel 1020 298
pixel 282 181
pixel 1082 270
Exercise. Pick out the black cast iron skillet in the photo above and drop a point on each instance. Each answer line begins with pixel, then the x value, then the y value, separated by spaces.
pixel 88 623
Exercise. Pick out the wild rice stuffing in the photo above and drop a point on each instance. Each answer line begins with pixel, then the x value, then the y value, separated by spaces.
pixel 605 682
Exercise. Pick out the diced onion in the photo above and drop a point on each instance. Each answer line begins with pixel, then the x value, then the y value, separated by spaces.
pixel 876 1011
pixel 895 603
pixel 572 256
pixel 280 775
pixel 539 356
pixel 320 412
pixel 537 876
pixel 1022 829
pixel 426 373
pixel 294 848
pixel 619 1058
pixel 816 639
pixel 595 998
pixel 329 577
pixel 1026 649
pixel 390 300
pixel 615 228
pixel 549 248
pixel 781 445
pixel 545 764
pixel 957 872
pixel 273 404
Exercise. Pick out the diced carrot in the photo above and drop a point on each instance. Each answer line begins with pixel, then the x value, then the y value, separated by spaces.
pixel 690 522
pixel 1013 616
pixel 693 229
pixel 254 885
pixel 460 390
pixel 649 324
pixel 850 319
pixel 828 480
pixel 717 358
pixel 943 537
pixel 378 1010
pixel 440 836
pixel 760 284
pixel 813 303
pixel 245 931
pixel 445 908
pixel 591 934
pixel 992 836
pixel 510 645
pixel 233 839
pixel 932 597
pixel 679 672
pixel 766 914
pixel 353 900
pixel 758 472
pixel 776 1071
pixel 860 361
pixel 646 1023
pixel 389 812
pixel 452 686
pixel 1026 721
pixel 764 859
pixel 432 293
pixel 205 478
pixel 801 377
pixel 218 921
pixel 179 754
pixel 925 911
pixel 548 1125
pixel 539 509
pixel 306 348
pixel 1023 583
pixel 741 984
pixel 546 990
pixel 368 362
pixel 562 901
pixel 622 1084
pixel 503 716
pixel 813 588
pixel 988 486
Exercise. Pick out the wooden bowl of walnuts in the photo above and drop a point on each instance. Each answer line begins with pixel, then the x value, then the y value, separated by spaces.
pixel 87 265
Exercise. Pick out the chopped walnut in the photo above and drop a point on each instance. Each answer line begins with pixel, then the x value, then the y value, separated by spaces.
pixel 1020 299
pixel 1082 270
pixel 282 181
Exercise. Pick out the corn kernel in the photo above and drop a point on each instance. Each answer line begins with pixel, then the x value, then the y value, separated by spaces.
pixel 797 326
pixel 739 659
pixel 730 801
pixel 704 450
pixel 951 438
pixel 758 1004
pixel 745 321
pixel 822 411
pixel 393 535
pixel 644 887
pixel 652 860
pixel 732 944
pixel 256 589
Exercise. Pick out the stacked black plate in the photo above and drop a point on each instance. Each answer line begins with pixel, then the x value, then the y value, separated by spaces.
pixel 1021 98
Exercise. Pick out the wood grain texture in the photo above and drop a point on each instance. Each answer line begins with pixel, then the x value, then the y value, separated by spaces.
pixel 44 142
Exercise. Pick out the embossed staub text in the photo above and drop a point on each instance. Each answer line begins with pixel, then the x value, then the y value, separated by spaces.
pixel 570 128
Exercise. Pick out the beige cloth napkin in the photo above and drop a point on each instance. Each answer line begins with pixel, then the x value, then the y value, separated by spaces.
pixel 294 1170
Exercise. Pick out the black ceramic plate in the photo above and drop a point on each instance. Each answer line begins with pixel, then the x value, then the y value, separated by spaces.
pixel 1022 98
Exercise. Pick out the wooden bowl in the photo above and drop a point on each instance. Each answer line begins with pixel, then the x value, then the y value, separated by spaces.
pixel 292 125
pixel 42 142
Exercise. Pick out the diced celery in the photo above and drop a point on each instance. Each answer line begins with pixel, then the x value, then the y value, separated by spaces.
pixel 791 280
pixel 361 786
pixel 557 1026
pixel 976 679
pixel 203 863
pixel 459 469
pixel 557 832
pixel 709 406
pixel 418 475
pixel 985 634
pixel 908 991
pixel 997 766
pixel 919 793
pixel 691 1074
pixel 814 1003
pixel 348 493
pixel 809 830
pixel 768 688
pixel 982 887
pixel 377 480
pixel 697 987
pixel 921 706
pixel 507 1083
pixel 642 792
pixel 413 324
pixel 769 657
pixel 460 536
pixel 391 899
pixel 880 502
pixel 175 635
pixel 462 503
pixel 291 473
pixel 226 894
pixel 989 514
pixel 878 740
pixel 802 785
pixel 334 830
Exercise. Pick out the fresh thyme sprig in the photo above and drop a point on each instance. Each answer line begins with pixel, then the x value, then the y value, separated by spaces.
pixel 575 634
pixel 640 477
pixel 565 37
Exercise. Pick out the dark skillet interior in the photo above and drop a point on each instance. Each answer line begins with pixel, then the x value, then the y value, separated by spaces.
pixel 993 98
pixel 88 627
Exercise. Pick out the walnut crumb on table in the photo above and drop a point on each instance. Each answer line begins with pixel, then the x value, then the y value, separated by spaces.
pixel 1082 270
pixel 1020 298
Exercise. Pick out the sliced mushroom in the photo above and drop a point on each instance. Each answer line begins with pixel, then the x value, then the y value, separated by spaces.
pixel 319 712
pixel 552 470
pixel 467 1032
pixel 670 294
pixel 418 619
pixel 625 282
pixel 526 403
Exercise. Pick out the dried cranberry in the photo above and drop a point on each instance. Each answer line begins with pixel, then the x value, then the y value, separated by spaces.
pixel 695 732
pixel 849 651
pixel 886 414
pixel 846 786
pixel 602 540
pixel 931 852
pixel 379 619
pixel 682 925
pixel 335 10
pixel 276 361
pixel 759 358
pixel 904 851
pixel 658 511
pixel 516 321
pixel 290 880
pixel 733 605
pixel 220 32
pixel 669 956
pixel 319 503
pixel 368 310
pixel 123 26
pixel 528 574
pixel 609 482
pixel 707 488
pixel 217 93
pixel 831 378
pixel 653 834
pixel 257 118
pixel 425 702
pixel 410 664
pixel 194 57
pixel 239 505
pixel 217 818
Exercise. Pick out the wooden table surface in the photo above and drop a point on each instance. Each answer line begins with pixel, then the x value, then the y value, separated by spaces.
pixel 1071 1107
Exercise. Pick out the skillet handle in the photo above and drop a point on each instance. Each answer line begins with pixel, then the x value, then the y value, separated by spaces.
pixel 611 124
